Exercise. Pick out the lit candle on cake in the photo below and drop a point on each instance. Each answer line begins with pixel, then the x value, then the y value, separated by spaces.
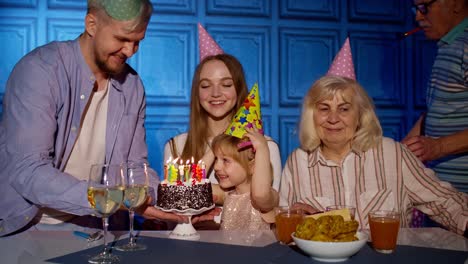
pixel 181 171
pixel 203 167
pixel 165 168
pixel 198 171
pixel 173 171
pixel 193 169
pixel 187 171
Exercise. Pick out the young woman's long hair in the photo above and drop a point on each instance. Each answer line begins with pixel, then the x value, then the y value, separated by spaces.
pixel 198 133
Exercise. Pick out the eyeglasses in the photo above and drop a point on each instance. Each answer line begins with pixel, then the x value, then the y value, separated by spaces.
pixel 423 7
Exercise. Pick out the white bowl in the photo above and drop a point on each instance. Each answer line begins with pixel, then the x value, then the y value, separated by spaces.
pixel 331 251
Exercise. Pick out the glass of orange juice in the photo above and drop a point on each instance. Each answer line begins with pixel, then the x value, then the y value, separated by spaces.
pixel 286 220
pixel 384 226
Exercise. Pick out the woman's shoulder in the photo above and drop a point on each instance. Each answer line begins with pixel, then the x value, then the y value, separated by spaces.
pixel 176 143
pixel 180 138
pixel 298 153
pixel 387 144
pixel 270 140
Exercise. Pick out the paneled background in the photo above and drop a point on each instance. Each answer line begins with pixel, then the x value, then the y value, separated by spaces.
pixel 284 45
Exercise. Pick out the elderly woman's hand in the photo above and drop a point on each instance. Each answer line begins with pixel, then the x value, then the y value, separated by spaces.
pixel 308 209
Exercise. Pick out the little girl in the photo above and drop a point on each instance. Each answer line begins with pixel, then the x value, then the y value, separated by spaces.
pixel 247 174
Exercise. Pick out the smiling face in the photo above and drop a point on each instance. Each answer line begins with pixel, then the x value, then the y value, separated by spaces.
pixel 336 120
pixel 231 173
pixel 233 167
pixel 112 43
pixel 217 92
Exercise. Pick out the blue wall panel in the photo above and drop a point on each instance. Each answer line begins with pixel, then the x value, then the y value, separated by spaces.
pixel 320 9
pixel 176 6
pixel 238 7
pixel 305 55
pixel 165 62
pixel 378 63
pixel 17 37
pixel 377 11
pixel 251 46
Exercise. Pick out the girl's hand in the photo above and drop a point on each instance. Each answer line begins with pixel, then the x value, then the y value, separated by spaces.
pixel 259 141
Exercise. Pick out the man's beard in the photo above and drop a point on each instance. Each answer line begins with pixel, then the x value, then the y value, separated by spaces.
pixel 103 66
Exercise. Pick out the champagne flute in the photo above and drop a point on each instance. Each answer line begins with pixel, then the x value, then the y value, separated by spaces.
pixel 135 194
pixel 105 195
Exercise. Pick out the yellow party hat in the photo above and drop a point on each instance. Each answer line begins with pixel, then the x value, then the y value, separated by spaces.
pixel 247 116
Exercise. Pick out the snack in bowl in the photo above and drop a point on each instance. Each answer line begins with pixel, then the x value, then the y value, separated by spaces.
pixel 329 238
pixel 327 228
pixel 331 251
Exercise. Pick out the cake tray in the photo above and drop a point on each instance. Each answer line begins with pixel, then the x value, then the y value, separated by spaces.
pixel 185 231
pixel 188 211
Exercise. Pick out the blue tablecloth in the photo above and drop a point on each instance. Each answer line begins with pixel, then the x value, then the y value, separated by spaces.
pixel 161 250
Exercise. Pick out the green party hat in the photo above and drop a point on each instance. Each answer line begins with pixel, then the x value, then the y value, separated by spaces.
pixel 122 9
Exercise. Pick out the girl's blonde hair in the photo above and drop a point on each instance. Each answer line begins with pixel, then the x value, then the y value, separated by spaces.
pixel 227 145
pixel 368 133
pixel 197 138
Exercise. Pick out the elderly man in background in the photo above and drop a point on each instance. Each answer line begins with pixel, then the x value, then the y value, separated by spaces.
pixel 440 136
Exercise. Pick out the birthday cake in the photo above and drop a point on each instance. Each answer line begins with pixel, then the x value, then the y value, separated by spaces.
pixel 185 186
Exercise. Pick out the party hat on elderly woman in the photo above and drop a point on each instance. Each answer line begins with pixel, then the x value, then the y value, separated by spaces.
pixel 207 46
pixel 343 65
pixel 248 116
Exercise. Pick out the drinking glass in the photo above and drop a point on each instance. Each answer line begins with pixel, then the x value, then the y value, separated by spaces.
pixel 286 220
pixel 135 194
pixel 105 195
pixel 384 226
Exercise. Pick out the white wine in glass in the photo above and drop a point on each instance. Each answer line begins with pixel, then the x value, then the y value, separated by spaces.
pixel 105 195
pixel 135 194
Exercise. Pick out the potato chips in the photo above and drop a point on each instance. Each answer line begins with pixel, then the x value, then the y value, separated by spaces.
pixel 328 228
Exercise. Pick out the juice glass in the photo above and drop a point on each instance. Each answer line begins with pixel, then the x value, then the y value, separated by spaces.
pixel 286 220
pixel 384 226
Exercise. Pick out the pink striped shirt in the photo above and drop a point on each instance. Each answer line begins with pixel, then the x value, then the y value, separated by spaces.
pixel 386 177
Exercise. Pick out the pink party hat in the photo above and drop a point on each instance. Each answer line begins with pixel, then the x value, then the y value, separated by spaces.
pixel 343 65
pixel 207 45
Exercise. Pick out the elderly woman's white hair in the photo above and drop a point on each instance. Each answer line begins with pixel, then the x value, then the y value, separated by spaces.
pixel 368 133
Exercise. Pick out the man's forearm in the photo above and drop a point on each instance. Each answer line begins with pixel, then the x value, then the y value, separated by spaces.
pixel 454 144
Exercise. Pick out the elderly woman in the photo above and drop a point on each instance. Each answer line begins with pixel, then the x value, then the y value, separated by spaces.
pixel 344 159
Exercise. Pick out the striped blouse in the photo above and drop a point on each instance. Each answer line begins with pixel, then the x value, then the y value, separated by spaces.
pixel 386 177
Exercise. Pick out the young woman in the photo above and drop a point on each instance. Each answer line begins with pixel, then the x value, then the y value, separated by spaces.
pixel 218 91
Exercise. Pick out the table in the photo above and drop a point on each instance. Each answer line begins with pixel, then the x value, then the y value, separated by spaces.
pixel 39 246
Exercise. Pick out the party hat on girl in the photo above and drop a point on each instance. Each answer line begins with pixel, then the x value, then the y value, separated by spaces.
pixel 207 46
pixel 248 116
pixel 343 65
